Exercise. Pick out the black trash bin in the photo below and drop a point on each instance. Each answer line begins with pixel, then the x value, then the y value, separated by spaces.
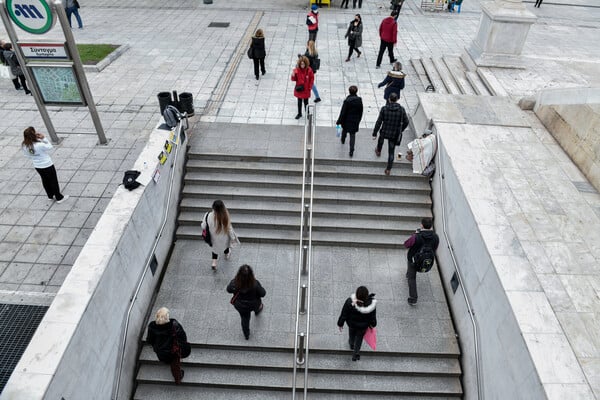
pixel 186 100
pixel 164 99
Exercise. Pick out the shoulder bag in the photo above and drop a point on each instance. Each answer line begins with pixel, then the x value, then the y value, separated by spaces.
pixel 206 231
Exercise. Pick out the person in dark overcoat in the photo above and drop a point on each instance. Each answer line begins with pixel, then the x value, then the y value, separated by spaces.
pixel 247 294
pixel 258 52
pixel 359 313
pixel 354 35
pixel 393 82
pixel 350 116
pixel 161 334
pixel 304 77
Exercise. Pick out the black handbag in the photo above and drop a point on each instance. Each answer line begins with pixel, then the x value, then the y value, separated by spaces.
pixel 206 232
pixel 250 53
pixel 299 88
pixel 76 3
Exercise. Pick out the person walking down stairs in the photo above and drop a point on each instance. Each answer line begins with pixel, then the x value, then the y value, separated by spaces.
pixel 247 296
pixel 222 235
pixel 169 341
pixel 359 313
pixel 392 121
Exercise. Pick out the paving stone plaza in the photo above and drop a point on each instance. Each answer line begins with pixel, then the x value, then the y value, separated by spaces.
pixel 171 48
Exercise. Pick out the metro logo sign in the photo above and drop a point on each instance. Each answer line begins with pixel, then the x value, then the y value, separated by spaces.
pixel 33 16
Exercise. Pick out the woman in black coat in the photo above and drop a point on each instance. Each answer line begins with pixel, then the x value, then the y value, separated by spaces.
pixel 359 313
pixel 161 334
pixel 354 35
pixel 258 52
pixel 247 294
pixel 350 117
pixel 394 81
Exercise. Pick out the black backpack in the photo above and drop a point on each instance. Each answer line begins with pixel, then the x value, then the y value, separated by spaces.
pixel 129 179
pixel 172 116
pixel 423 260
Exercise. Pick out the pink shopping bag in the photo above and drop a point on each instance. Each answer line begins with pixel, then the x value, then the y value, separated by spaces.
pixel 371 338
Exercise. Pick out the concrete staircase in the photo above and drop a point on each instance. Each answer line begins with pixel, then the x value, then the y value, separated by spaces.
pixel 240 372
pixel 449 74
pixel 355 204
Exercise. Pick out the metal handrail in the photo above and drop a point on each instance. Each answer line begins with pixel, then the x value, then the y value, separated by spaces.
pixel 123 342
pixel 440 170
pixel 305 264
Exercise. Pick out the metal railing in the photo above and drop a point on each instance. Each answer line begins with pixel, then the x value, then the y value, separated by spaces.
pixel 123 343
pixel 301 337
pixel 476 341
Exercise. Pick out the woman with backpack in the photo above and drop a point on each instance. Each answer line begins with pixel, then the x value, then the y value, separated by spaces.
pixel 15 68
pixel 359 313
pixel 315 63
pixel 304 77
pixel 247 294
pixel 354 35
pixel 222 235
pixel 169 342
pixel 257 52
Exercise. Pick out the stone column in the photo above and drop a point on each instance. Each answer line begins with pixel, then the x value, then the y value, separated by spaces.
pixel 502 33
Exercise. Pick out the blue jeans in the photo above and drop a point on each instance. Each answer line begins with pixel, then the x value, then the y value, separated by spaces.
pixel 74 10
pixel 315 91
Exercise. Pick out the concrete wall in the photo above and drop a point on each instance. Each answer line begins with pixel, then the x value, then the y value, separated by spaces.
pixel 75 351
pixel 507 368
pixel 572 116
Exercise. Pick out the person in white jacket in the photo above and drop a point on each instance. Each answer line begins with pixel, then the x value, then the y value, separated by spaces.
pixel 36 147
pixel 222 235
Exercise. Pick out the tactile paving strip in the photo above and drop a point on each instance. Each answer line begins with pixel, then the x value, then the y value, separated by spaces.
pixel 18 323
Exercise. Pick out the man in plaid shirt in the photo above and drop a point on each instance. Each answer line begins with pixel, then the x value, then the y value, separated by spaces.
pixel 391 123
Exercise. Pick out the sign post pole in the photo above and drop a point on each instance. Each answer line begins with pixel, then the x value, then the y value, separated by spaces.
pixel 36 95
pixel 78 67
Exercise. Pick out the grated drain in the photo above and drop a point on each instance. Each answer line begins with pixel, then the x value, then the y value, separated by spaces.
pixel 218 25
pixel 18 323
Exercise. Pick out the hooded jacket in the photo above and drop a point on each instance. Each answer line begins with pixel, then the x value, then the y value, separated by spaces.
pixel 358 315
pixel 393 82
pixel 388 30
pixel 418 239
pixel 351 113
pixel 392 121
pixel 306 78
pixel 258 48
pixel 313 16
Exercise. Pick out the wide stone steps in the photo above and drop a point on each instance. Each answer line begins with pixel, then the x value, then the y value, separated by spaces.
pixel 354 203
pixel 448 74
pixel 253 371
pixel 293 208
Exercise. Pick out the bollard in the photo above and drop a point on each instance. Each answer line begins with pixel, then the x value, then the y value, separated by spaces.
pixel 304 258
pixel 303 300
pixel 300 359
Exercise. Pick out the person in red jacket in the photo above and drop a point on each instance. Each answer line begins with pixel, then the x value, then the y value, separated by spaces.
pixel 312 20
pixel 388 33
pixel 304 77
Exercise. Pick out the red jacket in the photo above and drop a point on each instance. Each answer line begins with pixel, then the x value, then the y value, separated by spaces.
pixel 388 30
pixel 304 77
pixel 315 26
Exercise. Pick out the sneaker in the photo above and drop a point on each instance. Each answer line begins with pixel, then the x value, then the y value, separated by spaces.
pixel 412 301
pixel 63 199
pixel 318 99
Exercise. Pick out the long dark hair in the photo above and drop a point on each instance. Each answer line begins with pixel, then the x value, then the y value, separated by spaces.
pixel 221 216
pixel 29 138
pixel 362 294
pixel 244 278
